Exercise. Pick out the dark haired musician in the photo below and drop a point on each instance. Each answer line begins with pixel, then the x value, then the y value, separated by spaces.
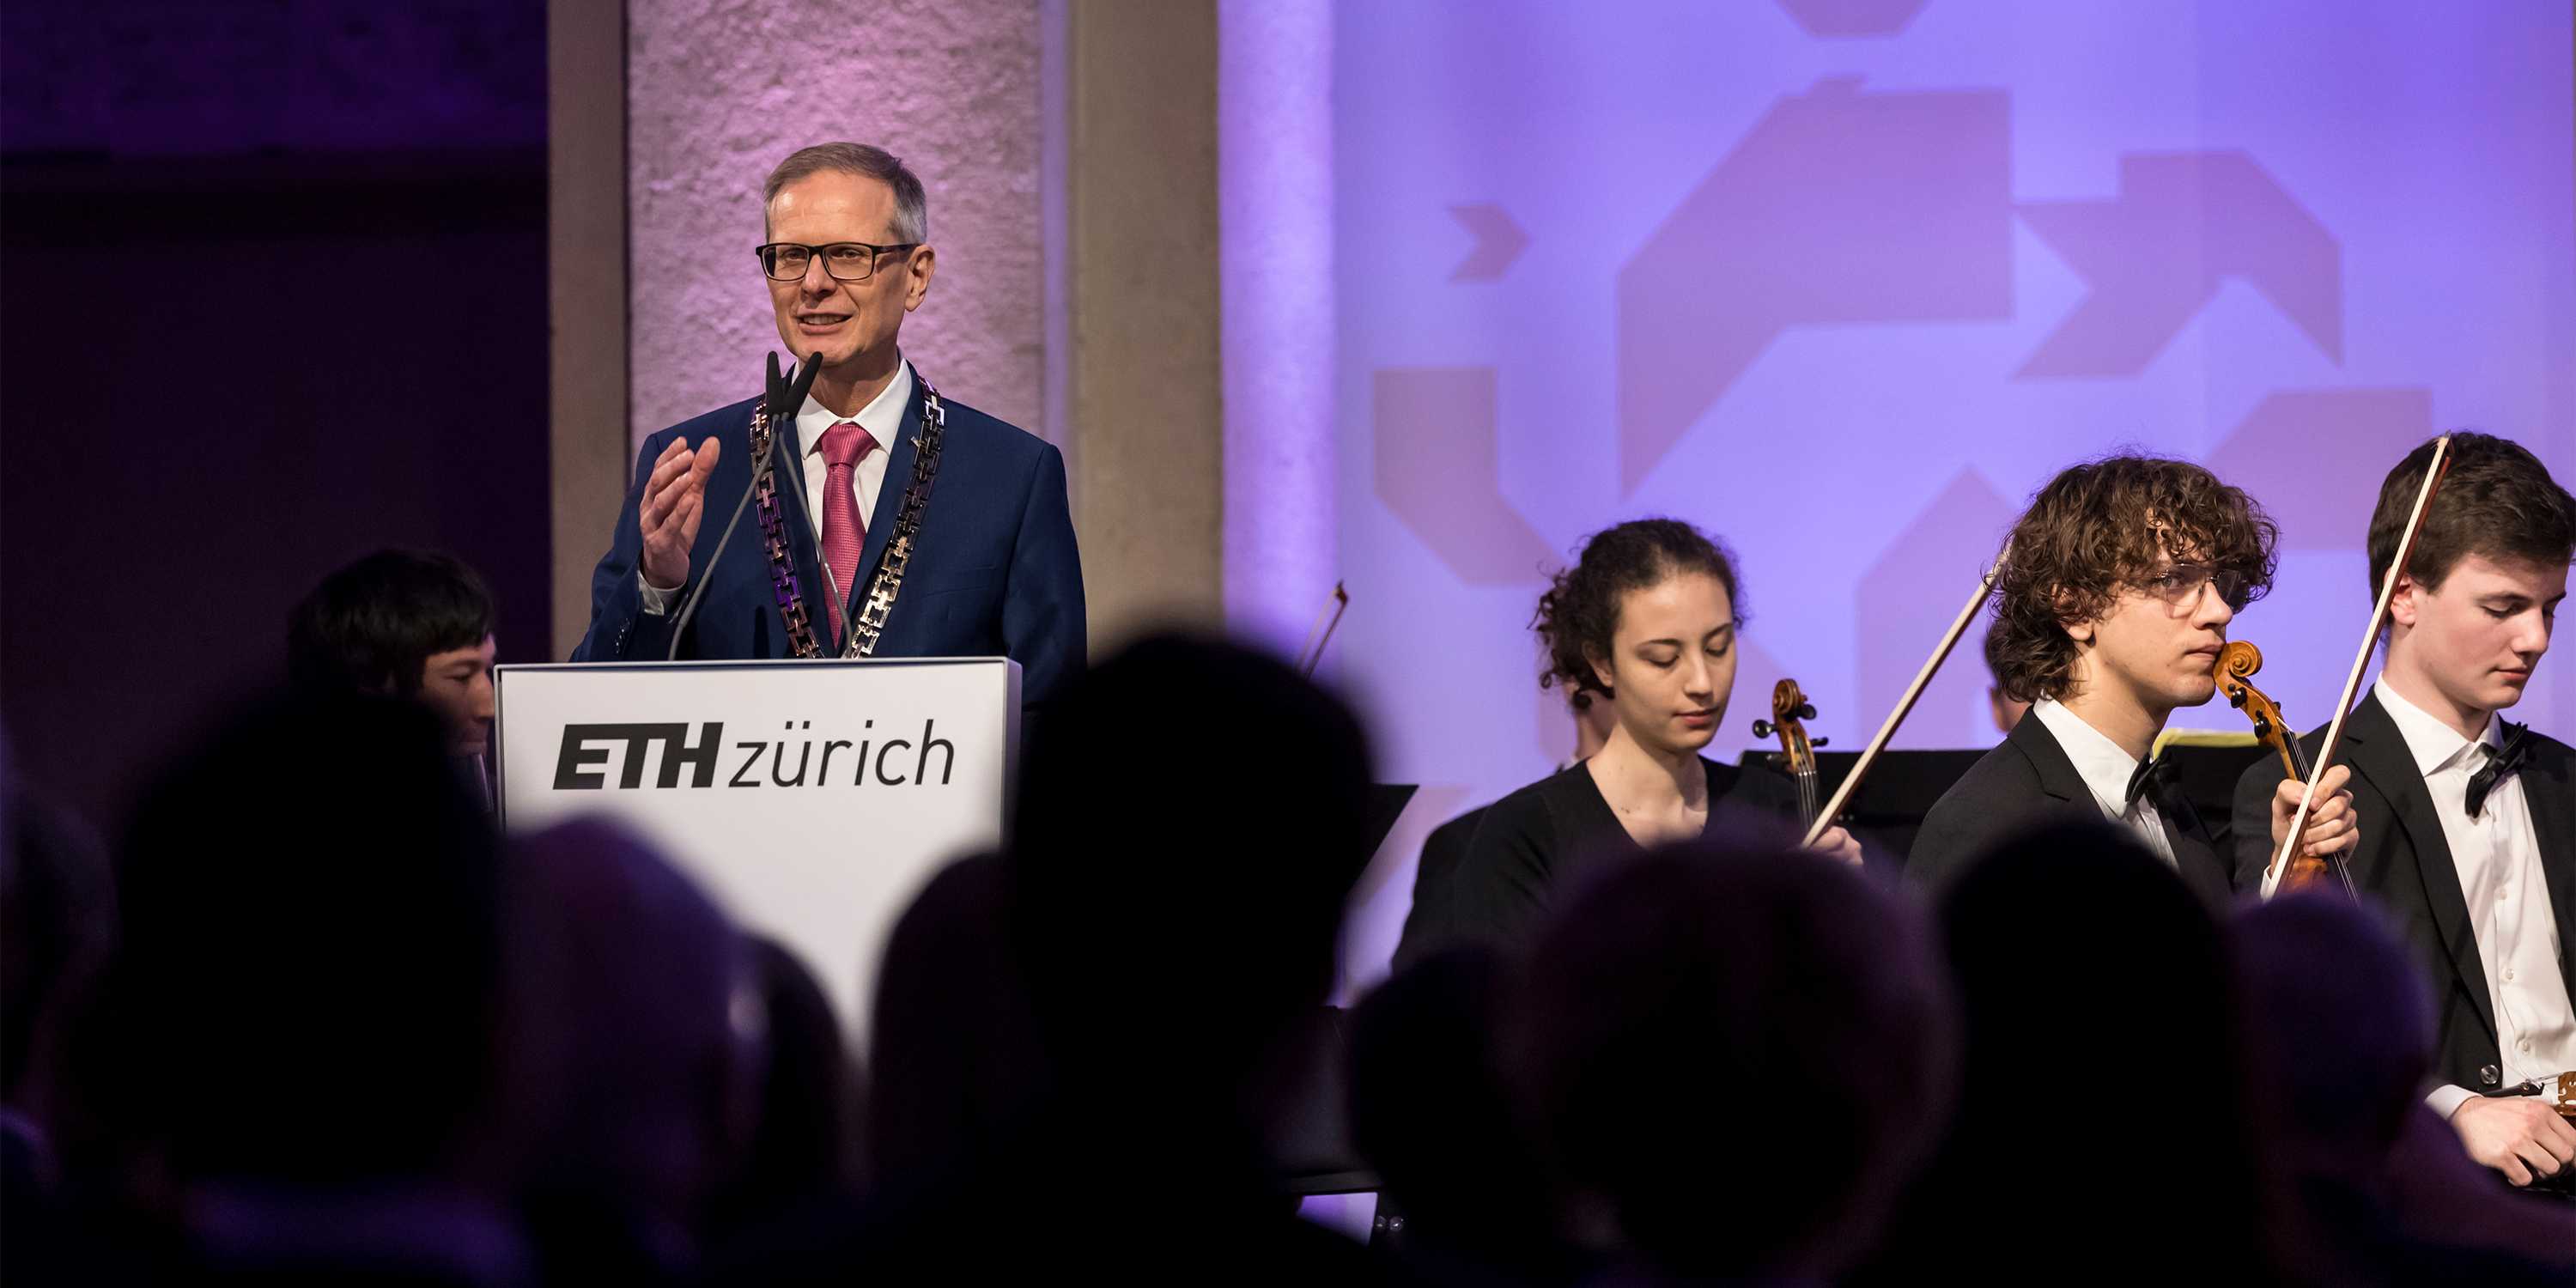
pixel 1429 924
pixel 414 624
pixel 2109 613
pixel 1644 621
pixel 992 568
pixel 2468 823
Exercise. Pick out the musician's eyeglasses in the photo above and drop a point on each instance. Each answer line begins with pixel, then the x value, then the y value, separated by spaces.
pixel 2179 587
pixel 845 261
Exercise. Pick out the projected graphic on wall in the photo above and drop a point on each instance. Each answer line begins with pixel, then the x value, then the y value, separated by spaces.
pixel 1842 281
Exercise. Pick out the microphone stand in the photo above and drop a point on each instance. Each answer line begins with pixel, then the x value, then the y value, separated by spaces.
pixel 782 400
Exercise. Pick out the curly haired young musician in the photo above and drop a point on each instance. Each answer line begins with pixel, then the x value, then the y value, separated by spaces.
pixel 2110 610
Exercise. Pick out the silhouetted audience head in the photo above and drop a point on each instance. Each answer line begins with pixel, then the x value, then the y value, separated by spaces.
pixel 408 623
pixel 648 1023
pixel 2341 1021
pixel 1736 1054
pixel 311 966
pixel 2344 1035
pixel 2102 1010
pixel 1168 912
pixel 57 925
pixel 800 1141
pixel 955 1063
pixel 1177 900
pixel 1432 1110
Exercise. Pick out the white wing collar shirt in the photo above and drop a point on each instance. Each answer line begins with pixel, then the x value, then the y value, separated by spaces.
pixel 2497 855
pixel 2106 770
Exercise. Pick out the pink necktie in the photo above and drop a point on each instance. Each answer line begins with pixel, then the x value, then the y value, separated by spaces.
pixel 844 533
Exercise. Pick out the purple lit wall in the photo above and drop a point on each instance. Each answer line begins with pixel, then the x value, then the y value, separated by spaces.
pixel 718 95
pixel 1845 282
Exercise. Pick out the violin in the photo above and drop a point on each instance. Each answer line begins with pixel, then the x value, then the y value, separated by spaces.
pixel 1789 708
pixel 2237 664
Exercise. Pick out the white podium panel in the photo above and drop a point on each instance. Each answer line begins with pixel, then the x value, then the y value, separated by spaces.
pixel 811 799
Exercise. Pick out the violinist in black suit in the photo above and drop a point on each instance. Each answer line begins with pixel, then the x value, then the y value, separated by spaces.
pixel 2468 823
pixel 2110 612
pixel 1644 621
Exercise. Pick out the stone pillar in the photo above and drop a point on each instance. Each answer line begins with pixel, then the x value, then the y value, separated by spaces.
pixel 1144 373
pixel 587 447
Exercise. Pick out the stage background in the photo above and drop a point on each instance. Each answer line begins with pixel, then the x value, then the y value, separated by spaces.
pixel 1411 294
pixel 275 296
pixel 1844 281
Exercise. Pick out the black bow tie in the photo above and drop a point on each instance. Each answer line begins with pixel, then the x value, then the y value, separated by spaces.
pixel 2500 765
pixel 2152 779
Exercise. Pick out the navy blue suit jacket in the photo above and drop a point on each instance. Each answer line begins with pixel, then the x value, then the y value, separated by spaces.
pixel 995 571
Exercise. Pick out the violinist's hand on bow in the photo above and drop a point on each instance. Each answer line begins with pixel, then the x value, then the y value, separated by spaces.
pixel 675 499
pixel 1838 845
pixel 2333 827
pixel 2520 1136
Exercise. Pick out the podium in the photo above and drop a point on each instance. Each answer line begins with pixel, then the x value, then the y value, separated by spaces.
pixel 812 799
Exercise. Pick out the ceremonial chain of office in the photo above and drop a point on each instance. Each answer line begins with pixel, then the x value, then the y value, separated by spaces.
pixel 869 622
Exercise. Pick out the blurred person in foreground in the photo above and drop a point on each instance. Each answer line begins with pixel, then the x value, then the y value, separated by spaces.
pixel 1171 923
pixel 640 1020
pixel 2108 1124
pixel 2345 1036
pixel 1736 1056
pixel 309 1002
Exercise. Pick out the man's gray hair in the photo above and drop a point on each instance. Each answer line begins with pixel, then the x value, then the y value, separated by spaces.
pixel 911 204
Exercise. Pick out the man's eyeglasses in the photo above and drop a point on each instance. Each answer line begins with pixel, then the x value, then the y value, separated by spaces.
pixel 2179 586
pixel 845 261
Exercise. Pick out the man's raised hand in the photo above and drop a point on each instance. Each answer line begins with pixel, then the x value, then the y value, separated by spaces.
pixel 675 499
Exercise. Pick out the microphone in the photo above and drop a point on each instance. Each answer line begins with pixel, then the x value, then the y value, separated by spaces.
pixel 782 398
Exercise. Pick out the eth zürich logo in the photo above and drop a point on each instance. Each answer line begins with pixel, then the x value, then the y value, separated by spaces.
pixel 581 763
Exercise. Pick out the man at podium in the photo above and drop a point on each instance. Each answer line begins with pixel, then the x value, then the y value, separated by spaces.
pixel 856 542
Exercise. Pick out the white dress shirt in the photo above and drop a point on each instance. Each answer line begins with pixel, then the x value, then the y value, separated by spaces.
pixel 882 418
pixel 2106 769
pixel 2497 855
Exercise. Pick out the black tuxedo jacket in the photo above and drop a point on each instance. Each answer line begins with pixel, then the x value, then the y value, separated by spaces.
pixel 2027 782
pixel 2404 863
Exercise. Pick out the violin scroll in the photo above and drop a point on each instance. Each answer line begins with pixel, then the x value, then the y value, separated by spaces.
pixel 2237 663
pixel 1789 710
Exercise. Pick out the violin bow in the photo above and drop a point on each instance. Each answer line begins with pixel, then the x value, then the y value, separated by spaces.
pixel 2433 471
pixel 1878 742
pixel 1322 634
